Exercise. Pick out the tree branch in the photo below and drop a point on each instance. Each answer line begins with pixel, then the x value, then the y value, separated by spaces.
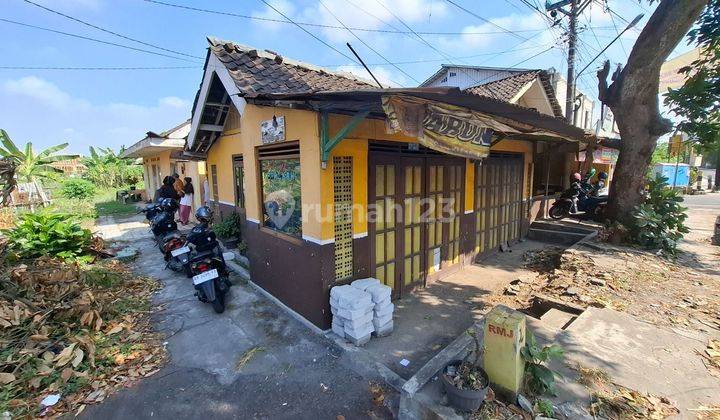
pixel 602 75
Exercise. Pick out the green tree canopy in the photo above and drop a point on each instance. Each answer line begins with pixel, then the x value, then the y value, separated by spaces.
pixel 697 102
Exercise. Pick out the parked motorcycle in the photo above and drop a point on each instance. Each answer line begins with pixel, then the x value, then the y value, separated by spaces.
pixel 587 206
pixel 162 224
pixel 206 265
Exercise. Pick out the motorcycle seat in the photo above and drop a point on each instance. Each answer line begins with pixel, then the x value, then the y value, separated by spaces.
pixel 203 254
pixel 171 235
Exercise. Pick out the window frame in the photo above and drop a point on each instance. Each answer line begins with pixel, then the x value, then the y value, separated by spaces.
pixel 274 151
pixel 240 200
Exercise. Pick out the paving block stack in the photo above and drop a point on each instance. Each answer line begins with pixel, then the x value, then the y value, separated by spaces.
pixel 352 310
pixel 383 308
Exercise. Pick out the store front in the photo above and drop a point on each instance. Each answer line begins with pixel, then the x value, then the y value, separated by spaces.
pixel 418 198
pixel 406 185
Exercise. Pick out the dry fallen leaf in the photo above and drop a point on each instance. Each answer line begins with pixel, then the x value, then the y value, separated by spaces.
pixel 66 374
pixel 6 378
pixel 114 330
pixel 78 355
pixel 65 355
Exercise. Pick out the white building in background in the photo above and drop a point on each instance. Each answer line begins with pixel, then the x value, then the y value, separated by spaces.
pixel 500 78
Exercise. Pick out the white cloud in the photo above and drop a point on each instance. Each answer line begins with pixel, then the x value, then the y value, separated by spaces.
pixel 386 77
pixel 174 101
pixel 496 36
pixel 370 14
pixel 37 109
pixel 41 90
pixel 287 8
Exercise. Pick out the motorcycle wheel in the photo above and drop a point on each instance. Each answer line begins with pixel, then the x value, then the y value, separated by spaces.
pixel 558 212
pixel 219 303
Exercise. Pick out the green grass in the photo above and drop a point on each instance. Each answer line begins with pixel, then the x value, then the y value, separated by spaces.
pixel 114 208
pixel 101 204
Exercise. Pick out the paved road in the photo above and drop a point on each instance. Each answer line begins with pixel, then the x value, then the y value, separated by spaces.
pixel 702 212
pixel 297 375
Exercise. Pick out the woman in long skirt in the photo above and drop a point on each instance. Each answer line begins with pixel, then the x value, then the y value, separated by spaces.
pixel 186 201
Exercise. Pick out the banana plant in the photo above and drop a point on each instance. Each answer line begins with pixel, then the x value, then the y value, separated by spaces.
pixel 32 166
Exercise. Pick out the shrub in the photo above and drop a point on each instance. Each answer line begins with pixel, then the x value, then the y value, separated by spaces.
pixel 229 227
pixel 78 188
pixel 659 222
pixel 43 233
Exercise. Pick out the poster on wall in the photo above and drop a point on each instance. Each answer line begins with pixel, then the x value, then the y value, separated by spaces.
pixel 273 130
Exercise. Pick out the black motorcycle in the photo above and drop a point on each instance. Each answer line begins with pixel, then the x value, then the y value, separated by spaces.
pixel 206 265
pixel 588 206
pixel 163 225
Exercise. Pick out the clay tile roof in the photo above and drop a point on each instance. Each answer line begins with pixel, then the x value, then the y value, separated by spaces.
pixel 506 89
pixel 263 72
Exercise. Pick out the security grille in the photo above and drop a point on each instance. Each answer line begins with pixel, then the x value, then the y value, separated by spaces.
pixel 342 177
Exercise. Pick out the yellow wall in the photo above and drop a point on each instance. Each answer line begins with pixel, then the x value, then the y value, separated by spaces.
pixel 242 136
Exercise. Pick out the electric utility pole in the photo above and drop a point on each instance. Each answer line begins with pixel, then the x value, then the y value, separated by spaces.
pixel 572 40
pixel 575 9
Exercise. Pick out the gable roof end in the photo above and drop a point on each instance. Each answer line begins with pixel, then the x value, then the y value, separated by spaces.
pixel 506 89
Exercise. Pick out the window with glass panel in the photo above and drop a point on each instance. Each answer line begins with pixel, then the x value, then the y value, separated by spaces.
pixel 280 183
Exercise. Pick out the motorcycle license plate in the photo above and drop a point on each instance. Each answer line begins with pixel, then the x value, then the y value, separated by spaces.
pixel 180 251
pixel 206 276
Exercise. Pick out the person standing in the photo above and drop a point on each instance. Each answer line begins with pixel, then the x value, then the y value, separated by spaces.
pixel 178 184
pixel 167 190
pixel 186 201
pixel 206 192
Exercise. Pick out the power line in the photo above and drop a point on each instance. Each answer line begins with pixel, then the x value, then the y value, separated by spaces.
pixel 612 19
pixel 308 32
pixel 97 68
pixel 320 25
pixel 515 65
pixel 94 40
pixel 432 47
pixel 612 12
pixel 109 31
pixel 435 60
pixel 470 12
pixel 367 45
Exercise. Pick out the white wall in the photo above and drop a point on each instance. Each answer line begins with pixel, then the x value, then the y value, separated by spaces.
pixel 465 78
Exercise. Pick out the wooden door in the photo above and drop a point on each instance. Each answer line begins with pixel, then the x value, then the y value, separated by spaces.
pixel 452 211
pixel 382 222
pixel 413 246
pixel 498 200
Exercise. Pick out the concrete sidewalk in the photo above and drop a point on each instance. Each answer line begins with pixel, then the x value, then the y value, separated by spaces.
pixel 294 373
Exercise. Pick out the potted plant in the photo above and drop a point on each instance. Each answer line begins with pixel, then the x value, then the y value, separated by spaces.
pixel 466 383
pixel 228 230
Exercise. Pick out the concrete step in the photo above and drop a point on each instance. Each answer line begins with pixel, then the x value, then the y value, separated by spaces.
pixel 555 236
pixel 561 225
pixel 556 319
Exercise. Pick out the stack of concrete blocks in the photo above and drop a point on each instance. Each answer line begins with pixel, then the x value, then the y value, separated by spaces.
pixel 382 307
pixel 352 310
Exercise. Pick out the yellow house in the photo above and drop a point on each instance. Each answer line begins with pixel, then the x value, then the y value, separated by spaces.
pixel 163 155
pixel 337 179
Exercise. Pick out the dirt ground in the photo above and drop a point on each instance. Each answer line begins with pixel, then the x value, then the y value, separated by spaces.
pixel 683 292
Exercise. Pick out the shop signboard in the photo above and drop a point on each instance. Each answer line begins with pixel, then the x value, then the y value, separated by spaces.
pixel 602 155
pixel 445 128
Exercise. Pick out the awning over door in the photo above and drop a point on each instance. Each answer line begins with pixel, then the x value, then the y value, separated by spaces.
pixel 444 119
pixel 442 127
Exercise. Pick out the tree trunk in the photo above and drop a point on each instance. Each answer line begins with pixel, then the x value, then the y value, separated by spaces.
pixel 633 99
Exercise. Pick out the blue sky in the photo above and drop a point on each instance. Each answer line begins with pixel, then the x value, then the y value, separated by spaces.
pixel 112 108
